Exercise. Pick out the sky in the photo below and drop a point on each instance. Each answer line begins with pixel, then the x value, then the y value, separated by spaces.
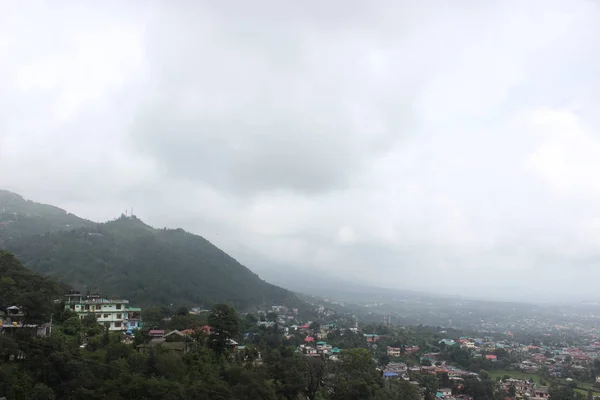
pixel 449 147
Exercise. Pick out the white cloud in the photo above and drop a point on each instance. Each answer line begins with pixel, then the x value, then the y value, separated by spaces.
pixel 433 144
pixel 568 156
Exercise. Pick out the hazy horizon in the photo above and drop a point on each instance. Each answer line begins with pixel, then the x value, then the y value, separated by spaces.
pixel 445 148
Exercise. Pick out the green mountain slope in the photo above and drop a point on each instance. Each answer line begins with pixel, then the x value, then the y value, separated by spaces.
pixel 130 259
pixel 20 217
pixel 22 287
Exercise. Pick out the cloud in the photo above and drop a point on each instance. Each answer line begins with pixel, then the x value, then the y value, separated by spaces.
pixel 441 147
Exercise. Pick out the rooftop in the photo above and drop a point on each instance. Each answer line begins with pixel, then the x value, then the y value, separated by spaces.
pixel 100 301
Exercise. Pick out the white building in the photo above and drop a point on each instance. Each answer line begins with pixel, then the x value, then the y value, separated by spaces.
pixel 114 312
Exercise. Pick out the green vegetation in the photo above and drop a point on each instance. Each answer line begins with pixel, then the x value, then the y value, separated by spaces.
pixel 128 258
pixel 20 218
pixel 22 287
pixel 501 373
pixel 198 366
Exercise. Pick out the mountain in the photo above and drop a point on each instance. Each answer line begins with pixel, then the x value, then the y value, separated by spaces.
pixel 22 287
pixel 127 258
pixel 20 217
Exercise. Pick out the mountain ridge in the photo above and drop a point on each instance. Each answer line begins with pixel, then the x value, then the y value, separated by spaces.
pixel 128 258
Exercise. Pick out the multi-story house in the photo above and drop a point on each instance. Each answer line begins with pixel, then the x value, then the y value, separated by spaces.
pixel 112 312
pixel 14 319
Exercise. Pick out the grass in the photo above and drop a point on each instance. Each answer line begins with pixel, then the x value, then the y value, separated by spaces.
pixel 515 375
pixel 583 387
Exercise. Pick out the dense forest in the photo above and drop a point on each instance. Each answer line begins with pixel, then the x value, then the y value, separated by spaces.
pixel 20 286
pixel 59 367
pixel 81 359
pixel 128 258
pixel 22 218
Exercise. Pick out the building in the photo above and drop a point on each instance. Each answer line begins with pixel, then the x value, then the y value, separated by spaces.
pixel 13 319
pixel 112 312
pixel 134 318
pixel 394 351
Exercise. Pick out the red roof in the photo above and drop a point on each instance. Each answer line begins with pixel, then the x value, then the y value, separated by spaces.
pixel 156 332
pixel 490 356
pixel 309 339
pixel 204 329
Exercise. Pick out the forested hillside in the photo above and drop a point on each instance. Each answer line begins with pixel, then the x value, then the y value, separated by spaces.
pixel 127 258
pixel 196 366
pixel 22 287
pixel 20 217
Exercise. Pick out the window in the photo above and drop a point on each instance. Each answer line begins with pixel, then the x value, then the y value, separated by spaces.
pixel 98 315
pixel 72 306
pixel 119 316
pixel 105 315
pixel 118 306
pixel 117 324
pixel 98 307
pixel 87 307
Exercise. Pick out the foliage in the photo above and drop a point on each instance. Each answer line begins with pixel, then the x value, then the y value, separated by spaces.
pixel 224 325
pixel 125 256
pixel 57 367
pixel 20 218
pixel 22 287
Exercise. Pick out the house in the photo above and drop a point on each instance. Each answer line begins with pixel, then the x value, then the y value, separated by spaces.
pixel 156 333
pixel 371 337
pixel 13 319
pixel 175 336
pixel 335 354
pixel 307 350
pixel 540 393
pixel 394 351
pixel 134 318
pixel 491 357
pixel 324 348
pixel 112 312
pixel 447 342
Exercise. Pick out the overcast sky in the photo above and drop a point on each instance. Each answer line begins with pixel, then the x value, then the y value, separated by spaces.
pixel 446 146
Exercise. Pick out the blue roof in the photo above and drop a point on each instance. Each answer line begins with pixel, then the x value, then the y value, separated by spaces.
pixel 390 374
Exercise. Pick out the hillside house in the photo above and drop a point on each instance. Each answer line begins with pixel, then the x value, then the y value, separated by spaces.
pixel 394 351
pixel 156 334
pixel 371 337
pixel 112 312
pixel 13 319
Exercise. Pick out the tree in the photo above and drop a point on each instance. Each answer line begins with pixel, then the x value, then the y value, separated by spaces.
pixel 224 325
pixel 182 311
pixel 568 359
pixel 72 326
pixel 356 377
pixel 42 392
pixel 398 390
pixel 272 316
pixel 89 321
